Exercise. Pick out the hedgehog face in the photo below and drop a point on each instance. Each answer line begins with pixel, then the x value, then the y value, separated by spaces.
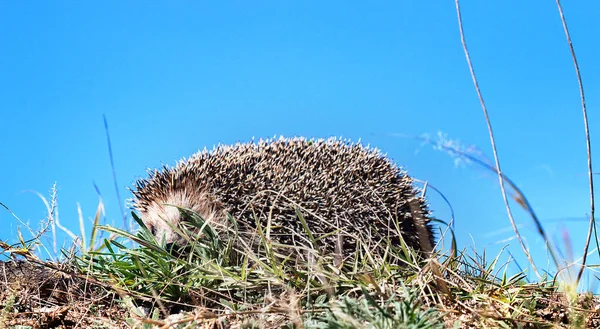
pixel 161 220
pixel 163 217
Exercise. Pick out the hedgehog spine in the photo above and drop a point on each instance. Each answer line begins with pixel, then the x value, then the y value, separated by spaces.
pixel 342 186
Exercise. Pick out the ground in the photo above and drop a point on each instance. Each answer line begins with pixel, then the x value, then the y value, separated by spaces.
pixel 54 295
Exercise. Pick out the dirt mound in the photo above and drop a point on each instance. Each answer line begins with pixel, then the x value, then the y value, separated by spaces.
pixel 51 296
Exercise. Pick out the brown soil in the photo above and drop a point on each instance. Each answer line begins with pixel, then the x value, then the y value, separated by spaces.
pixel 38 296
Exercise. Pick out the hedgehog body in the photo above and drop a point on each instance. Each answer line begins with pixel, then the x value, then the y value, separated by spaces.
pixel 341 189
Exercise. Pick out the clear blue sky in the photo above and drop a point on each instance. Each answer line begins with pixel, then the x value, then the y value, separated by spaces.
pixel 175 77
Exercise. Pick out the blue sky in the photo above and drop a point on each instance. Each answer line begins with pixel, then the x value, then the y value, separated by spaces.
pixel 176 77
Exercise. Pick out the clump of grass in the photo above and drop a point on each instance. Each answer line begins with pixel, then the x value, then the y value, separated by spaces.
pixel 213 272
pixel 402 311
pixel 264 287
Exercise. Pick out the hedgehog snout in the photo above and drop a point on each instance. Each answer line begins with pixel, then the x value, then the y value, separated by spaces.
pixel 162 221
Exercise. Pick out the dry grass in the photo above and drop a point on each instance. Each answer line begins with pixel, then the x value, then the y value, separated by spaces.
pixel 47 295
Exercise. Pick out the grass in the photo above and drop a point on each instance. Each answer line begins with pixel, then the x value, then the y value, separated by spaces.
pixel 114 283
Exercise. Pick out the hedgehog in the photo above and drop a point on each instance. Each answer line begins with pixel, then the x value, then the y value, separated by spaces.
pixel 341 191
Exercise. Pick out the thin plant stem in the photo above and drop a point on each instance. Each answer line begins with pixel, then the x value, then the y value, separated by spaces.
pixel 492 139
pixel 592 226
pixel 519 197
pixel 114 173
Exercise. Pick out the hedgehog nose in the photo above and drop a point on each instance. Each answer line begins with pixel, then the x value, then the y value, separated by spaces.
pixel 170 247
pixel 175 250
